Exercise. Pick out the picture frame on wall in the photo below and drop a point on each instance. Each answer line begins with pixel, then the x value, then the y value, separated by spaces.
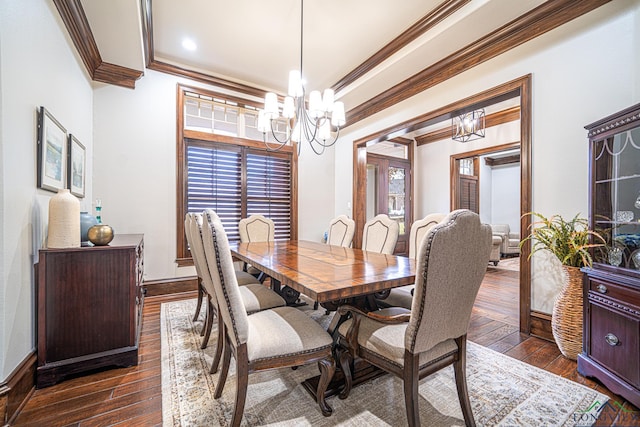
pixel 52 152
pixel 76 167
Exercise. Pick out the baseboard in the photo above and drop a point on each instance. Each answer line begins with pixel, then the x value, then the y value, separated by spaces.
pixel 541 325
pixel 15 391
pixel 170 286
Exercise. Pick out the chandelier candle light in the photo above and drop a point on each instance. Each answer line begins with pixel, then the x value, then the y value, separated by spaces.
pixel 312 121
pixel 468 126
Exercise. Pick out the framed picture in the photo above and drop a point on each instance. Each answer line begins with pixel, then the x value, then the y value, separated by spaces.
pixel 52 152
pixel 76 167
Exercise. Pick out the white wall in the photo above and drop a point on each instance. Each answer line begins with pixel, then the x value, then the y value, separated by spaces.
pixel 135 170
pixel 38 66
pixel 505 196
pixel 486 187
pixel 582 71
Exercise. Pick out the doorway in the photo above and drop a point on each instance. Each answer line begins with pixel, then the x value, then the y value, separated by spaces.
pixel 494 174
pixel 389 192
pixel 518 88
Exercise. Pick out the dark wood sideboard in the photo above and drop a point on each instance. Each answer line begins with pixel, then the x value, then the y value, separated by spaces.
pixel 89 303
pixel 611 347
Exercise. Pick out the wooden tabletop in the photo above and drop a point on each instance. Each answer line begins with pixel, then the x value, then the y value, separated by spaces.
pixel 325 272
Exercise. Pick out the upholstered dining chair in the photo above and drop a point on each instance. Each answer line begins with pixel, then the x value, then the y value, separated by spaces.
pixel 255 296
pixel 256 228
pixel 403 296
pixel 269 339
pixel 244 278
pixel 341 231
pixel 451 263
pixel 380 234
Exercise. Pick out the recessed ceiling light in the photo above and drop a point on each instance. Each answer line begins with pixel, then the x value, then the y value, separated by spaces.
pixel 189 44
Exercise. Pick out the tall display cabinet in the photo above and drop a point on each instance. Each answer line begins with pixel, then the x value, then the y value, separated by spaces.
pixel 611 347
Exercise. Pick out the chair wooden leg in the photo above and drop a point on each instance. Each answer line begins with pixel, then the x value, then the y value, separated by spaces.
pixel 226 360
pixel 209 323
pixel 327 369
pixel 199 303
pixel 345 359
pixel 459 368
pixel 242 375
pixel 410 379
pixel 219 346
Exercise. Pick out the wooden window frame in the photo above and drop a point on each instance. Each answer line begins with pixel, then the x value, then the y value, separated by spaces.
pixel 183 258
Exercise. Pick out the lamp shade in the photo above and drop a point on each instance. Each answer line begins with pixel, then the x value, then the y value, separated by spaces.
pixel 337 117
pixel 271 106
pixel 328 98
pixel 315 104
pixel 289 109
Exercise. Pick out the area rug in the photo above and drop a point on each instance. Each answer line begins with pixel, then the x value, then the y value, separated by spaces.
pixel 503 391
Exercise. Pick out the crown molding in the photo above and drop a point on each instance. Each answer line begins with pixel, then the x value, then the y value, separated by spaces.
pixel 75 20
pixel 438 14
pixel 528 26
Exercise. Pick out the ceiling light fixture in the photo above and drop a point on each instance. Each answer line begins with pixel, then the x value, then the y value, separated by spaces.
pixel 313 120
pixel 189 44
pixel 468 126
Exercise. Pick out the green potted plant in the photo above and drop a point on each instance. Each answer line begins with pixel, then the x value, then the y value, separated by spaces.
pixel 570 241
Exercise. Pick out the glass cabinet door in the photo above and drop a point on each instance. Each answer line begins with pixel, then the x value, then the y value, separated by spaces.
pixel 617 198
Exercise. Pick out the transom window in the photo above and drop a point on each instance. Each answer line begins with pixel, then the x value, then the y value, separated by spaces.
pixel 221 166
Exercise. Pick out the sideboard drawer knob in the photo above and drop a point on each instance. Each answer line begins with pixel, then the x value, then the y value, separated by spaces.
pixel 612 340
pixel 602 289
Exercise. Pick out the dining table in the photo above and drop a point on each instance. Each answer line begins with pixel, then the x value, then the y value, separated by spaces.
pixel 331 276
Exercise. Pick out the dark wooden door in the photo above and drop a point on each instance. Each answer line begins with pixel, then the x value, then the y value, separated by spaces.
pixel 391 194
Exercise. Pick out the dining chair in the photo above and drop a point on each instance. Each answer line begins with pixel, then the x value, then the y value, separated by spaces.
pixel 403 295
pixel 255 296
pixel 341 231
pixel 243 277
pixel 380 234
pixel 256 228
pixel 269 339
pixel 452 260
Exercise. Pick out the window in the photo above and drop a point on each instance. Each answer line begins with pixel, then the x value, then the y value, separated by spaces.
pixel 236 176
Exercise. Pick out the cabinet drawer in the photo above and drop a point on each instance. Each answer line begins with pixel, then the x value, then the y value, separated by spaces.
pixel 615 291
pixel 615 343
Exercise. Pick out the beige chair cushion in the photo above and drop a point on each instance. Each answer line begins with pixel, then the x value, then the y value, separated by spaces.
pixel 256 228
pixel 227 291
pixel 341 231
pixel 284 331
pixel 380 234
pixel 257 297
pixel 419 229
pixel 452 260
pixel 388 341
pixel 245 278
pixel 399 297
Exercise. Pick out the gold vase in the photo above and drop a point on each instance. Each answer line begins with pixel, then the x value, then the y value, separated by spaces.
pixel 100 234
pixel 566 320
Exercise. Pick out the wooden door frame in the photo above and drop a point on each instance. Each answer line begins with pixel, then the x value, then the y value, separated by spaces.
pixel 454 178
pixel 383 205
pixel 520 87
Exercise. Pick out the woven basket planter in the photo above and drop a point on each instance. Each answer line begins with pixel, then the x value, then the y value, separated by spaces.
pixel 566 320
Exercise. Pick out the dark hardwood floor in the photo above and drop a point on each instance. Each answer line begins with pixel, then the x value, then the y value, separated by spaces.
pixel 133 396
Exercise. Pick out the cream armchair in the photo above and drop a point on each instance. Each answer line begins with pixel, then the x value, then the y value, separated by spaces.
pixel 510 241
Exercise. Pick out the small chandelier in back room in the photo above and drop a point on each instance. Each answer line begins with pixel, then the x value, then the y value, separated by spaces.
pixel 311 121
pixel 468 126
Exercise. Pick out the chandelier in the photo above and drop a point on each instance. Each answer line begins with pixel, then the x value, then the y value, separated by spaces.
pixel 468 126
pixel 312 120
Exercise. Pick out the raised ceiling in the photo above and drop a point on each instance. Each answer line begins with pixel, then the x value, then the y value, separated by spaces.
pixel 363 48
